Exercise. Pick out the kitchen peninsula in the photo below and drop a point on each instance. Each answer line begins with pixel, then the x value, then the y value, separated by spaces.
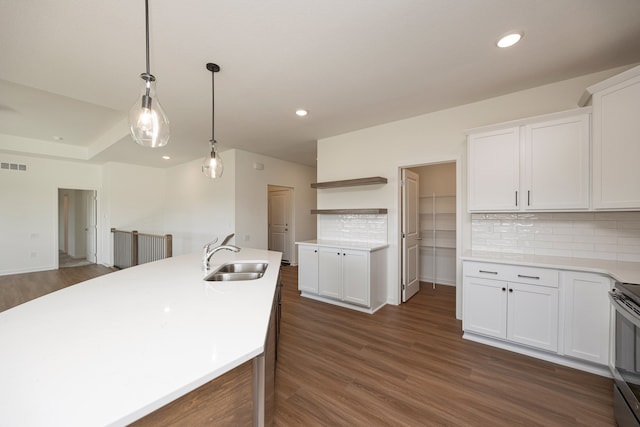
pixel 113 349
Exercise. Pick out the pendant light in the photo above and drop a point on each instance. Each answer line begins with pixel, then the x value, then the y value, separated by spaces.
pixel 212 166
pixel 148 123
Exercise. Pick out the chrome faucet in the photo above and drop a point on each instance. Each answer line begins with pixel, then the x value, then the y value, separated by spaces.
pixel 208 251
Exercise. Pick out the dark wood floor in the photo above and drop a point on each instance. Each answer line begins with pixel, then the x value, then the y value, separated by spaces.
pixel 18 288
pixel 405 365
pixel 408 366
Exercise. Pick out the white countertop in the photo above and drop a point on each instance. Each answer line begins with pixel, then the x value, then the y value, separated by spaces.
pixel 628 272
pixel 115 348
pixel 345 244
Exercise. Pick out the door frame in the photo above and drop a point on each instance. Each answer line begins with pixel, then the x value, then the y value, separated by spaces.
pixel 460 185
pixel 57 219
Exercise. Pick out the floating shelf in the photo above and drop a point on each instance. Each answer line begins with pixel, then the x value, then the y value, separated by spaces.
pixel 350 182
pixel 373 211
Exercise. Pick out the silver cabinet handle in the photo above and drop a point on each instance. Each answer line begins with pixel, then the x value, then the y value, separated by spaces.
pixel 488 272
pixel 528 277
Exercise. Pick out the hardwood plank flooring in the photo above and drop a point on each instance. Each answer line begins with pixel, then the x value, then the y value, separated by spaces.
pixel 408 365
pixel 16 289
pixel 405 365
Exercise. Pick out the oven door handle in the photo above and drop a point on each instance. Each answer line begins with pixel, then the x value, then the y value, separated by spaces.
pixel 621 308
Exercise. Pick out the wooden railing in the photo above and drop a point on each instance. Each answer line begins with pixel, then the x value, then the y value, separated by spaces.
pixel 132 248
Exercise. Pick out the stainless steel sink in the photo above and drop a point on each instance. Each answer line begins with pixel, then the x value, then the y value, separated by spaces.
pixel 238 271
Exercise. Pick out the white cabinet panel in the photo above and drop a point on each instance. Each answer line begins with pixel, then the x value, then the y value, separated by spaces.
pixel 616 146
pixel 494 170
pixel 556 158
pixel 355 276
pixel 485 307
pixel 533 316
pixel 330 272
pixel 308 268
pixel 587 316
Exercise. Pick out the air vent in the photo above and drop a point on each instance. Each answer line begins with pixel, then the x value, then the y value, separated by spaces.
pixel 13 166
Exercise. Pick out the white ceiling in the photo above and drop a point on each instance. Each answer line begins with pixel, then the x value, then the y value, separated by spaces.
pixel 70 68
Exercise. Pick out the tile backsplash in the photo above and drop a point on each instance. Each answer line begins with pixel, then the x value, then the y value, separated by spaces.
pixel 611 236
pixel 353 228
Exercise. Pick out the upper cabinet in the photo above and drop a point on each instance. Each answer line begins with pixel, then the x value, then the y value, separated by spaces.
pixel 616 141
pixel 535 164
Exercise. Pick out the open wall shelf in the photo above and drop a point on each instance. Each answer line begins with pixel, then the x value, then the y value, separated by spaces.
pixel 350 182
pixel 372 211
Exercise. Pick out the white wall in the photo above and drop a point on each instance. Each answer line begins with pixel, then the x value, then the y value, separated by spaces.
pixel 252 198
pixel 132 198
pixel 198 209
pixel 29 209
pixel 429 138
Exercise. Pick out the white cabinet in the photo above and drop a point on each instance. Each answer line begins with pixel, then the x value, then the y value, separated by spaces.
pixel 556 158
pixel 330 272
pixel 494 170
pixel 535 164
pixel 308 268
pixel 587 316
pixel 349 277
pixel 616 141
pixel 518 304
pixel 344 275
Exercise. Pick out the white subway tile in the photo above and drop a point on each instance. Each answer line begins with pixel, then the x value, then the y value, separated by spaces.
pixel 608 256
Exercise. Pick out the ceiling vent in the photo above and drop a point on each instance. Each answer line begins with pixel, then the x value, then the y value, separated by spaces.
pixel 13 166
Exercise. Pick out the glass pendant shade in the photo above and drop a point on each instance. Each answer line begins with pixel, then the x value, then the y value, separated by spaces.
pixel 148 122
pixel 212 166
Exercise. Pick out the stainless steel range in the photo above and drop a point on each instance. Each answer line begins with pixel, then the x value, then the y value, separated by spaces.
pixel 625 298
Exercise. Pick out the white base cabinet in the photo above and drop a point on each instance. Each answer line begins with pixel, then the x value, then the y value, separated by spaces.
pixel 503 308
pixel 556 315
pixel 587 316
pixel 352 278
pixel 308 268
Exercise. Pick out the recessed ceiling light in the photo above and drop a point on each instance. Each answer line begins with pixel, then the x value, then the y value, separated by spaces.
pixel 509 39
pixel 301 112
pixel 57 138
pixel 166 157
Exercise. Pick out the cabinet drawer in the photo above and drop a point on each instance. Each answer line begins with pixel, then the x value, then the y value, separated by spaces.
pixel 512 273
pixel 532 275
pixel 485 270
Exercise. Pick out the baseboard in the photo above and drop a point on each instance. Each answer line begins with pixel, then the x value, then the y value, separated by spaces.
pixel 570 362
pixel 342 304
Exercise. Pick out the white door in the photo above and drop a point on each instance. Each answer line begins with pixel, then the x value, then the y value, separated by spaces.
pixel 532 316
pixel 308 268
pixel 485 306
pixel 279 221
pixel 330 272
pixel 92 227
pixel 410 235
pixel 355 277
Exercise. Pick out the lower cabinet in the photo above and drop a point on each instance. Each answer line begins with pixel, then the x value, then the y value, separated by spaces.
pixel 350 277
pixel 518 312
pixel 587 316
pixel 308 268
pixel 564 313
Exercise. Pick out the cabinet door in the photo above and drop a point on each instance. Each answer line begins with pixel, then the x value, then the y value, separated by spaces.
pixel 557 164
pixel 485 306
pixel 494 170
pixel 308 268
pixel 355 276
pixel 532 313
pixel 587 316
pixel 616 146
pixel 330 272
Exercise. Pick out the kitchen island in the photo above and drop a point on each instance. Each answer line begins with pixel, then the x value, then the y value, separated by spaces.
pixel 113 349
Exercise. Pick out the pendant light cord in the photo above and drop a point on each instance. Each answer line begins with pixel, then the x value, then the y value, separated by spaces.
pixel 213 108
pixel 146 15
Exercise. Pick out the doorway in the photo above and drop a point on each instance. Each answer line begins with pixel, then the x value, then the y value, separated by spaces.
pixel 280 221
pixel 77 227
pixel 429 226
